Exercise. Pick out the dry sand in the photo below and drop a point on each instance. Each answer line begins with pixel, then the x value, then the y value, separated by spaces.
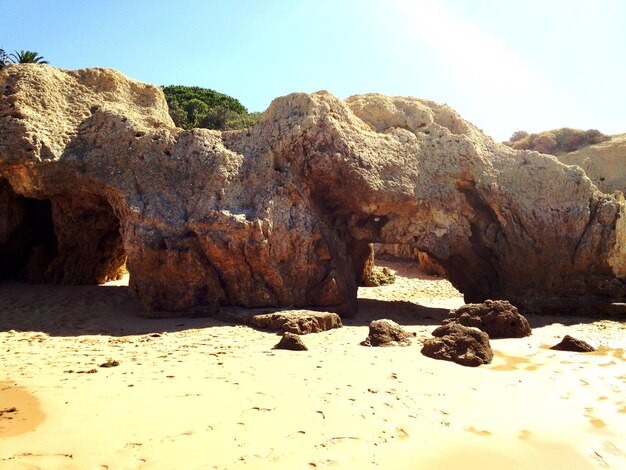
pixel 197 393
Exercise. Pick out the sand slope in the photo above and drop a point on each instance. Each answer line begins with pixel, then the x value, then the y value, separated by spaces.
pixel 197 393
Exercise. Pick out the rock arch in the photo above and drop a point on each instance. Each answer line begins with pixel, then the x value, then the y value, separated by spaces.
pixel 281 214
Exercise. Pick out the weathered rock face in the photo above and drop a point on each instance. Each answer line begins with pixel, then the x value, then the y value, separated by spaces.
pixel 300 322
pixel 497 318
pixel 464 345
pixel 93 170
pixel 604 163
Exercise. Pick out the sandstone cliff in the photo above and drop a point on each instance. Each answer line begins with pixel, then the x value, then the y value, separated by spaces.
pixel 604 163
pixel 92 170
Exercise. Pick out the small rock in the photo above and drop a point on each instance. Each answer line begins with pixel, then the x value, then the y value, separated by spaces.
pixel 387 333
pixel 497 318
pixel 569 343
pixel 378 276
pixel 108 363
pixel 464 345
pixel 292 342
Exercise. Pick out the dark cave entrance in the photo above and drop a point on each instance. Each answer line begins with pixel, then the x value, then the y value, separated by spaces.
pixel 66 239
pixel 29 243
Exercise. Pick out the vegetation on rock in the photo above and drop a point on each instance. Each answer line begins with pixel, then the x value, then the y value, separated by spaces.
pixel 27 57
pixel 192 106
pixel 21 57
pixel 556 141
pixel 4 59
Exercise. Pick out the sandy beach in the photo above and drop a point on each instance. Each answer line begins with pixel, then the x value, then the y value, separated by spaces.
pixel 197 393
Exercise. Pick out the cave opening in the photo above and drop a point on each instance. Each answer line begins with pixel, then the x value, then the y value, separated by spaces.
pixel 63 239
pixel 416 262
pixel 409 287
pixel 28 244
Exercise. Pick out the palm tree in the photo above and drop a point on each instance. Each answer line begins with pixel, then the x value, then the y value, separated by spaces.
pixel 27 57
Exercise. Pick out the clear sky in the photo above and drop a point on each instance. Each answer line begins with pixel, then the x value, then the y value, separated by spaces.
pixel 505 65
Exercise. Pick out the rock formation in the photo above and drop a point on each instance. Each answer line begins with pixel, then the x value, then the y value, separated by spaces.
pixel 464 345
pixel 387 333
pixel 300 322
pixel 603 163
pixel 497 318
pixel 291 342
pixel 93 173
pixel 569 343
pixel 374 276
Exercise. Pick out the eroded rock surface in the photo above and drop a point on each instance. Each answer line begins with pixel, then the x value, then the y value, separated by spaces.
pixel 464 345
pixel 604 163
pixel 497 318
pixel 387 332
pixel 375 276
pixel 301 322
pixel 282 214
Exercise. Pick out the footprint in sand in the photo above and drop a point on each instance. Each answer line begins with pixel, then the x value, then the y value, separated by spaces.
pixel 401 434
pixel 478 432
pixel 595 422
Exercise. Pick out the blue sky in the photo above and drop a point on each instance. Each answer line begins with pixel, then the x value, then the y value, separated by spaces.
pixel 505 65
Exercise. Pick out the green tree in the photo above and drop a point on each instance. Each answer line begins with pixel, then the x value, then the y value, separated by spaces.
pixel 518 135
pixel 27 57
pixel 178 114
pixel 201 107
pixel 213 99
pixel 196 111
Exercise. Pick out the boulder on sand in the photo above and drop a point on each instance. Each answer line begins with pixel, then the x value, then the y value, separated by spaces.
pixel 569 343
pixel 301 322
pixel 291 342
pixel 464 345
pixel 497 318
pixel 387 333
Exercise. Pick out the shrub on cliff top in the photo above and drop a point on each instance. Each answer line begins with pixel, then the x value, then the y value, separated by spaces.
pixel 201 107
pixel 556 141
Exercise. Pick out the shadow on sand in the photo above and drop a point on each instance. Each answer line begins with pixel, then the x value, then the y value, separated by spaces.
pixel 112 310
